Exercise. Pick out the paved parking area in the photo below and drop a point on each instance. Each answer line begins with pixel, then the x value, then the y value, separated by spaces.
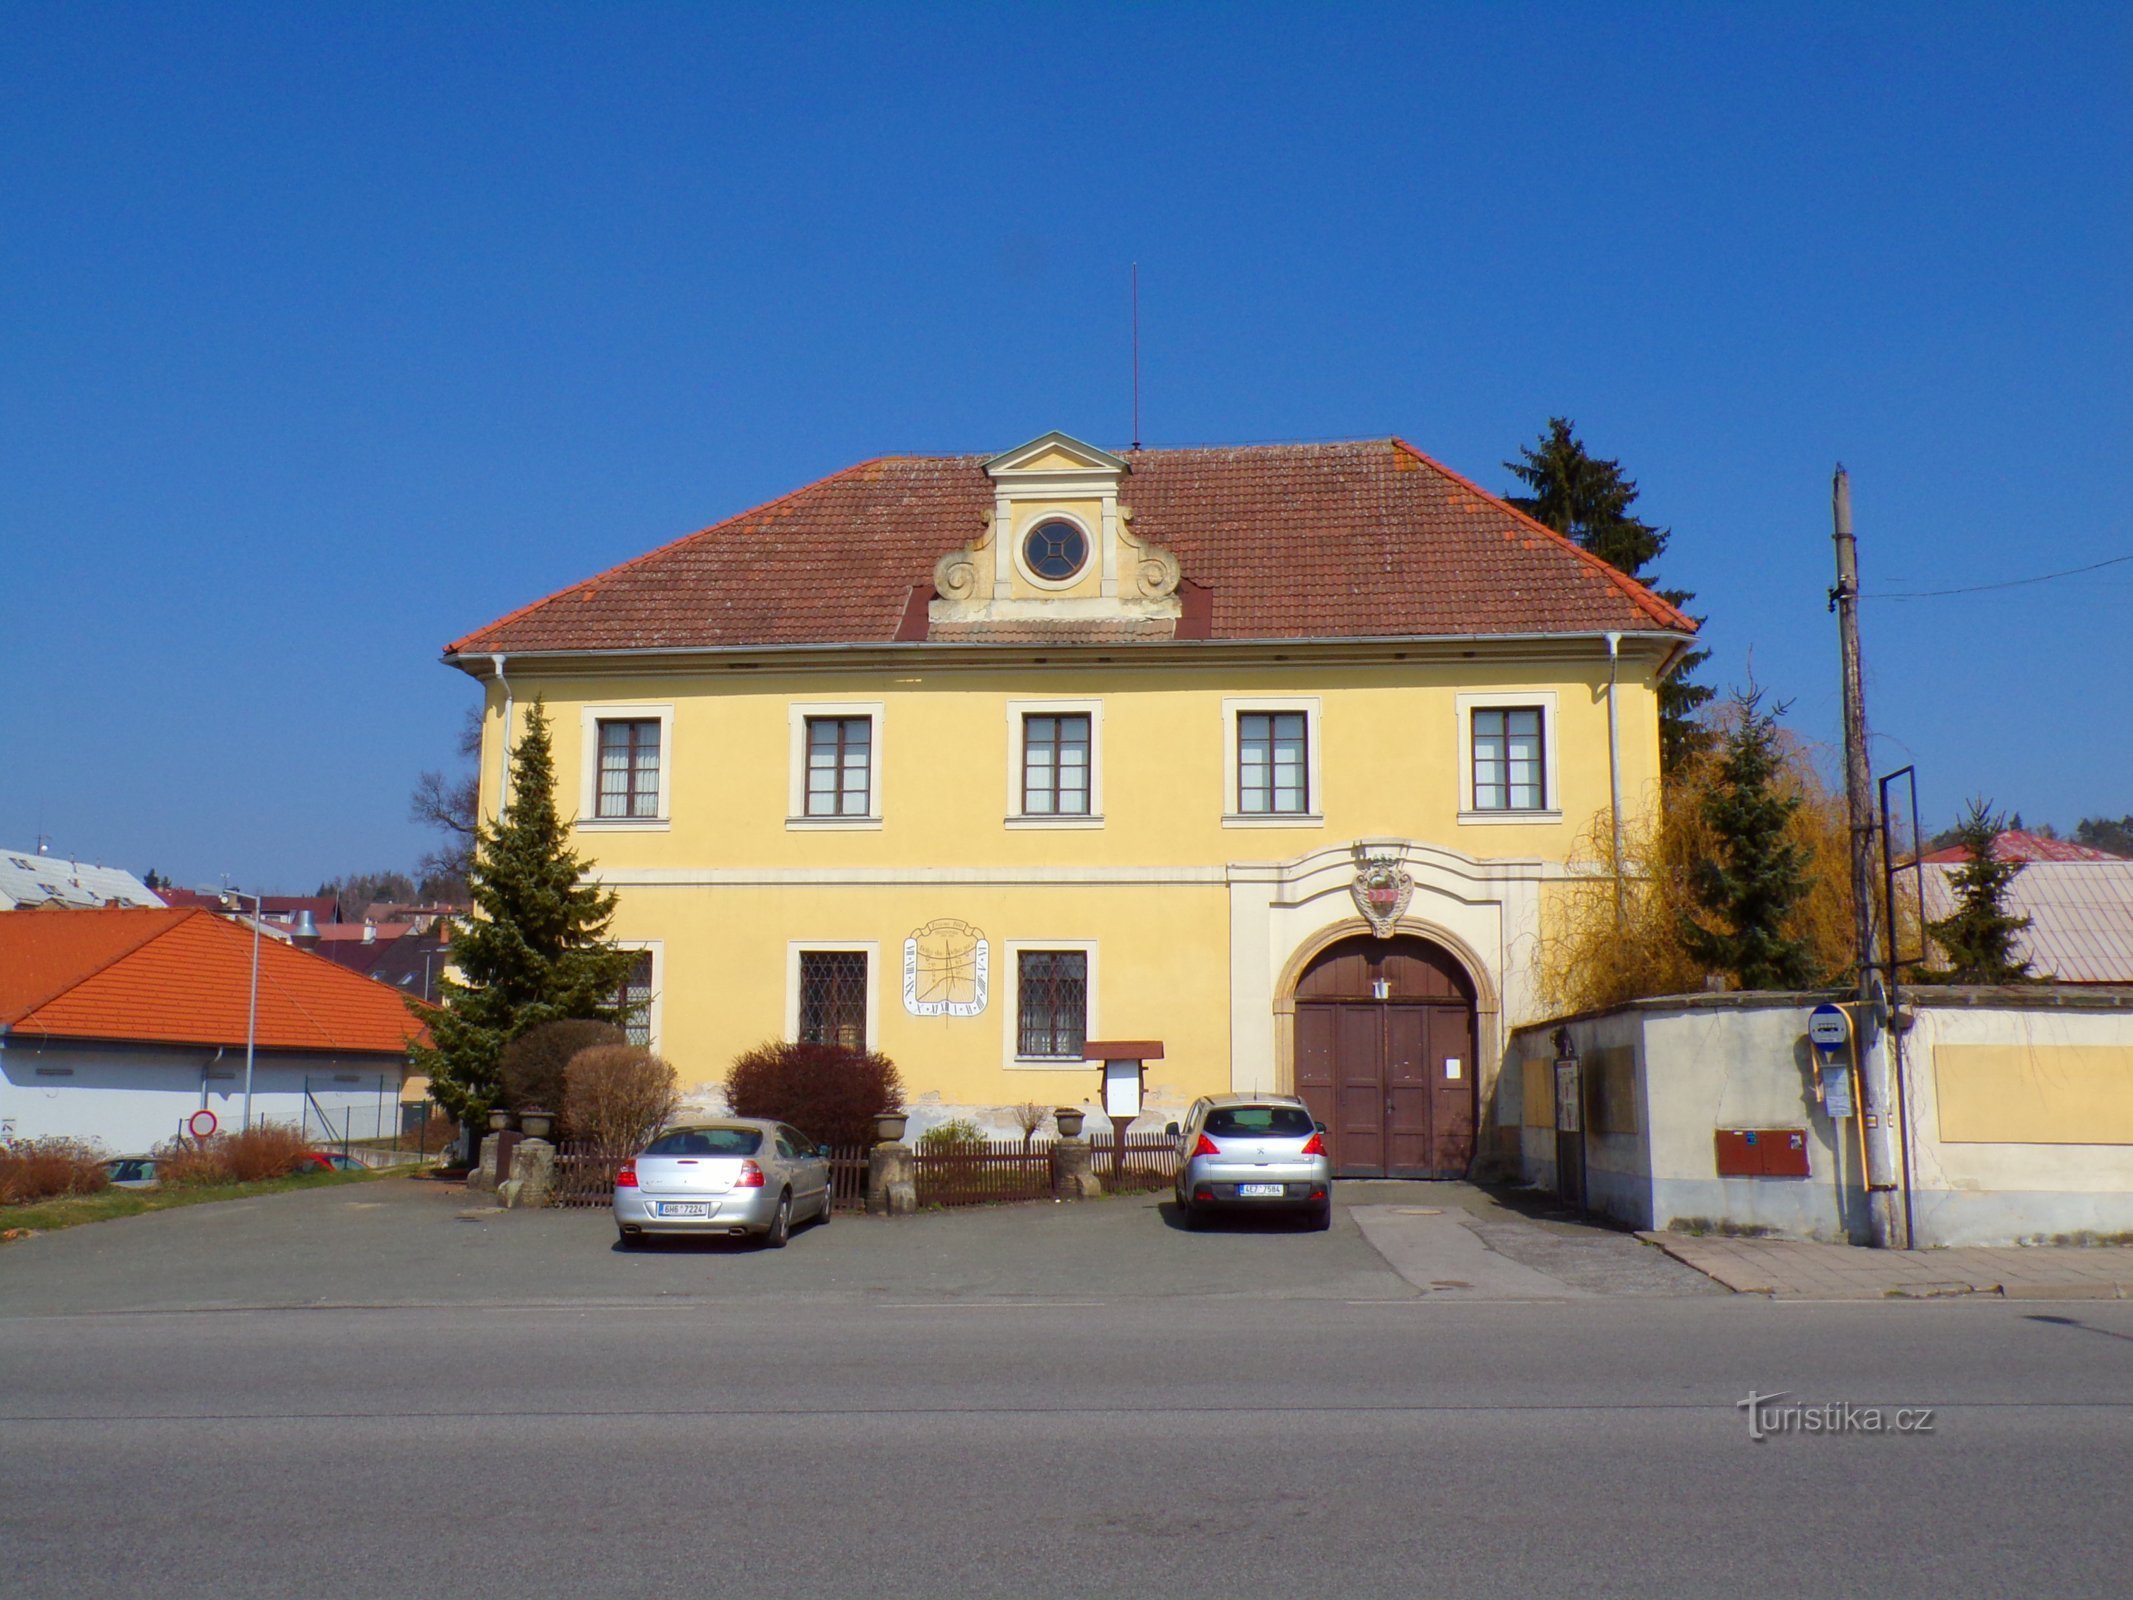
pixel 407 1241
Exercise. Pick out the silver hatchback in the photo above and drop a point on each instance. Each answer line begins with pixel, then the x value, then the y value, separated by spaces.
pixel 1248 1152
pixel 738 1177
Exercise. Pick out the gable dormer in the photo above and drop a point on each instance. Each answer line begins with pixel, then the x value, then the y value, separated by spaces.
pixel 1058 544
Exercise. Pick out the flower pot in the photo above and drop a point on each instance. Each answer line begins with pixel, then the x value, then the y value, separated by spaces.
pixel 889 1127
pixel 499 1120
pixel 535 1124
pixel 1069 1119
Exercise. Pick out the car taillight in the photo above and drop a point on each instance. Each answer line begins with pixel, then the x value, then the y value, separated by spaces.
pixel 751 1176
pixel 1313 1146
pixel 1206 1147
pixel 626 1175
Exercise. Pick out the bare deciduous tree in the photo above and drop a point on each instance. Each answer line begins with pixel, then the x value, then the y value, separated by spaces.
pixel 1031 1118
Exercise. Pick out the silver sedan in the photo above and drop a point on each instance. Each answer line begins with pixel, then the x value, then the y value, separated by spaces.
pixel 1253 1152
pixel 738 1177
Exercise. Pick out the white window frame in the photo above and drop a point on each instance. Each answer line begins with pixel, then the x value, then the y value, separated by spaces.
pixel 589 720
pixel 1542 700
pixel 1233 813
pixel 1018 711
pixel 1037 518
pixel 1011 1011
pixel 870 948
pixel 653 1020
pixel 797 713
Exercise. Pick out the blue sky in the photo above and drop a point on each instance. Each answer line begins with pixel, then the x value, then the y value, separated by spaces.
pixel 333 332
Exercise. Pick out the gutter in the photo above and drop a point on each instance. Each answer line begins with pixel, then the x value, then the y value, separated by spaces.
pixel 503 775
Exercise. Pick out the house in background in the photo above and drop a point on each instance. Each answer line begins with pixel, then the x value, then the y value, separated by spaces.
pixel 32 878
pixel 1265 761
pixel 118 1025
pixel 2079 901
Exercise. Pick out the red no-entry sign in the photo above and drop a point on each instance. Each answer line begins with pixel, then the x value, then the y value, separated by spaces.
pixel 201 1124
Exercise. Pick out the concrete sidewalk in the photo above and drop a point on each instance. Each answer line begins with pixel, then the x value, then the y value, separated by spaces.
pixel 1791 1270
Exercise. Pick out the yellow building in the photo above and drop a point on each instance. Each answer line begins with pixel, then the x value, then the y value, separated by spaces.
pixel 1265 754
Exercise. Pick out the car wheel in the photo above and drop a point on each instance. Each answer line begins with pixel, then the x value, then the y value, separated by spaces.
pixel 780 1228
pixel 1322 1218
pixel 1192 1216
pixel 627 1239
pixel 829 1204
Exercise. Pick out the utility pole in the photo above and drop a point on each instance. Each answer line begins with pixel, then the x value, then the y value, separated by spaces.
pixel 1870 1038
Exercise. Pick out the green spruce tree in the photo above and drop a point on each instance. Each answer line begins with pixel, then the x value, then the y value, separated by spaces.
pixel 1588 501
pixel 1749 892
pixel 1978 936
pixel 534 950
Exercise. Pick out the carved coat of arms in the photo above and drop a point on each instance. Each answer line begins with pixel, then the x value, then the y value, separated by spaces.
pixel 1382 889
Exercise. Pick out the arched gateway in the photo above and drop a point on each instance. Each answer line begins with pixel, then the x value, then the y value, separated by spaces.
pixel 1385 1056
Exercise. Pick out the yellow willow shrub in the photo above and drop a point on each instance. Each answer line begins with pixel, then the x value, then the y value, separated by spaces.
pixel 1588 960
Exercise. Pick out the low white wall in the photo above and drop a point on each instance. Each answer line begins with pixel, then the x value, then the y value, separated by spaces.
pixel 131 1097
pixel 1703 1063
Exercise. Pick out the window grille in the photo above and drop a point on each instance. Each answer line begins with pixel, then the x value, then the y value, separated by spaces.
pixel 1052 1001
pixel 833 998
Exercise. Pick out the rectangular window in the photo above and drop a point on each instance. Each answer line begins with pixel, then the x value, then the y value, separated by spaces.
pixel 840 756
pixel 629 769
pixel 1508 766
pixel 833 997
pixel 1272 769
pixel 1052 1003
pixel 633 1001
pixel 1055 765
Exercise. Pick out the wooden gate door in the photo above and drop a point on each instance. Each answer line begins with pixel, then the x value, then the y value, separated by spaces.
pixel 1384 1056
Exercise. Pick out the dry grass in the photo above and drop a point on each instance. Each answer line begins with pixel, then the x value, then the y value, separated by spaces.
pixel 1589 961
pixel 46 1169
pixel 268 1150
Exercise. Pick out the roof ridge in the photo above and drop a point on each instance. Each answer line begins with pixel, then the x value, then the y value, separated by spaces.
pixel 711 527
pixel 155 932
pixel 1641 596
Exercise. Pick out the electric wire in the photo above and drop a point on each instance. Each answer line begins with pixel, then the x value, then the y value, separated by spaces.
pixel 1981 588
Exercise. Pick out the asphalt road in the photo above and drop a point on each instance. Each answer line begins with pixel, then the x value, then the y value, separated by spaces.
pixel 1013 1403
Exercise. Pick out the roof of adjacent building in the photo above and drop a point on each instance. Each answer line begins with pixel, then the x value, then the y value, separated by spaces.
pixel 183 976
pixel 30 879
pixel 2014 845
pixel 1363 539
pixel 2081 915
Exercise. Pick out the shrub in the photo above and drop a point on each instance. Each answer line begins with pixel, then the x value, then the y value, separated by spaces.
pixel 265 1150
pixel 45 1169
pixel 960 1133
pixel 829 1093
pixel 533 1063
pixel 618 1096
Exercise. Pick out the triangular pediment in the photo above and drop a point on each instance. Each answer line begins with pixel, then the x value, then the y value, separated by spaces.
pixel 1055 452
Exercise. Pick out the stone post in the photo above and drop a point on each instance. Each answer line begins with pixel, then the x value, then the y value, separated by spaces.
pixel 1073 1177
pixel 532 1174
pixel 481 1177
pixel 892 1188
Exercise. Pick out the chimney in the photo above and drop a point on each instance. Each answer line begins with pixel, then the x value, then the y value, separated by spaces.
pixel 306 931
pixel 370 931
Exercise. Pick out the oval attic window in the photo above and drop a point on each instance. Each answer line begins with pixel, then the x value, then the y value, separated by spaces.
pixel 1055 550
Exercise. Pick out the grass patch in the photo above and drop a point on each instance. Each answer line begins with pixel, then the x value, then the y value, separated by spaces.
pixel 42 1216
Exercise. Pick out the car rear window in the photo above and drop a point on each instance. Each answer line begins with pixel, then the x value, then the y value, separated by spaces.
pixel 706 1142
pixel 1260 1122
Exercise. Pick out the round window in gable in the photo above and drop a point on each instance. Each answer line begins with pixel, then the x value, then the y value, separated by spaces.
pixel 1055 550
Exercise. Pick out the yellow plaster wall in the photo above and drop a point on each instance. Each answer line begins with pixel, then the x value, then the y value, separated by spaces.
pixel 2034 1094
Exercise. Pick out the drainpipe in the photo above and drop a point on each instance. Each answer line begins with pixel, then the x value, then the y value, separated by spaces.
pixel 503 776
pixel 1614 766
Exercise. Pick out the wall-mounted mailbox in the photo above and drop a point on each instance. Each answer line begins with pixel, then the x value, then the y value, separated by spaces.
pixel 1762 1152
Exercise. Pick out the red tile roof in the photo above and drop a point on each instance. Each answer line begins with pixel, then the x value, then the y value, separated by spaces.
pixel 2017 846
pixel 1365 539
pixel 183 976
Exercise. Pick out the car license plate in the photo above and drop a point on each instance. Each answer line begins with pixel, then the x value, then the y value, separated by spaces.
pixel 1261 1191
pixel 685 1208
